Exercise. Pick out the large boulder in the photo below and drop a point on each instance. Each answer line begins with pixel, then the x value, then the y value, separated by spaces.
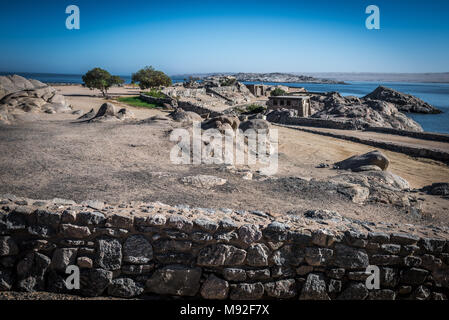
pixel 281 115
pixel 88 115
pixel 386 179
pixel 180 115
pixel 404 102
pixel 221 123
pixel 255 124
pixel 373 158
pixel 106 109
pixel 437 189
pixel 107 112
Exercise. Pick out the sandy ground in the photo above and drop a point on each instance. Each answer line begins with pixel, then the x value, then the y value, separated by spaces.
pixel 304 150
pixel 53 156
pixel 397 139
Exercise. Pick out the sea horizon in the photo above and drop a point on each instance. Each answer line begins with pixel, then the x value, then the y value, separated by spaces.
pixel 405 77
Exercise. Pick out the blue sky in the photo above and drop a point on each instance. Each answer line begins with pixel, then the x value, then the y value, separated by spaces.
pixel 225 36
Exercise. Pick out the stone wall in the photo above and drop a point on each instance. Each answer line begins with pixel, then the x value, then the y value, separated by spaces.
pixel 319 123
pixel 414 134
pixel 434 154
pixel 154 249
pixel 190 106
pixel 157 101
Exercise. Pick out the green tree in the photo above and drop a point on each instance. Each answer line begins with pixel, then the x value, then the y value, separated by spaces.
pixel 117 80
pixel 100 79
pixel 278 92
pixel 148 77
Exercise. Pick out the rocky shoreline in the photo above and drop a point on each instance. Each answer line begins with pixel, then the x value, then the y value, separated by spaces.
pixel 278 77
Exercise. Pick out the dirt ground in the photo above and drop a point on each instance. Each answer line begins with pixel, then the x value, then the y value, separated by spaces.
pixel 54 156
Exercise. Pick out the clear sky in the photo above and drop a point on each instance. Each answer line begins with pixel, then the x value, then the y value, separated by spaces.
pixel 225 36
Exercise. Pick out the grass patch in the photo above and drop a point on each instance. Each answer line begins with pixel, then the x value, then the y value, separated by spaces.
pixel 137 102
pixel 155 94
pixel 255 108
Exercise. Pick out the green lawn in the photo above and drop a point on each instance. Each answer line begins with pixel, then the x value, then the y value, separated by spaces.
pixel 136 102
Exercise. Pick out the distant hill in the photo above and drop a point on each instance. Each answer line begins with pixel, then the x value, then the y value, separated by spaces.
pixel 331 77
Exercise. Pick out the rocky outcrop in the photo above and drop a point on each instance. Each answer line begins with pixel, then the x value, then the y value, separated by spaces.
pixel 361 113
pixel 14 83
pixel 134 249
pixel 404 102
pixel 20 95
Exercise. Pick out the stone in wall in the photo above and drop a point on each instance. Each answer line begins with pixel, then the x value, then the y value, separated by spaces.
pixel 175 280
pixel 109 254
pixel 137 249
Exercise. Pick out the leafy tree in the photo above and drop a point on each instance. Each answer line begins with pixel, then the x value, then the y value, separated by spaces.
pixel 148 77
pixel 278 92
pixel 101 79
pixel 228 82
pixel 117 80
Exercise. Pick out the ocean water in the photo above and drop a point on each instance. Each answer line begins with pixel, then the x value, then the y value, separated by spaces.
pixel 437 94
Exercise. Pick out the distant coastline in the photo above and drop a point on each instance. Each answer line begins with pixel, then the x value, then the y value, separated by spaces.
pixel 442 77
pixel 321 77
pixel 336 77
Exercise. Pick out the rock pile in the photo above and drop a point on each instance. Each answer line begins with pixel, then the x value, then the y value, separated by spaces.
pixel 19 95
